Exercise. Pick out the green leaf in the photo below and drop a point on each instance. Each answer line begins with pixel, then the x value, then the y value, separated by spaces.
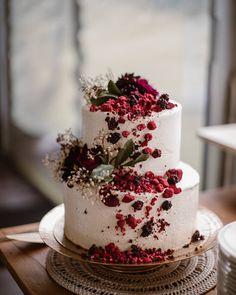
pixel 103 171
pixel 124 153
pixel 129 146
pixel 129 163
pixel 103 158
pixel 98 101
pixel 141 158
pixel 113 89
pixel 102 99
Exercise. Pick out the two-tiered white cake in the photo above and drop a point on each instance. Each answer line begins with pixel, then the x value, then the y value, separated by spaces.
pixel 126 187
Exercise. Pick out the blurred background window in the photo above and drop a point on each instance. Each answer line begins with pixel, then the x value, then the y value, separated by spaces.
pixel 166 41
pixel 52 42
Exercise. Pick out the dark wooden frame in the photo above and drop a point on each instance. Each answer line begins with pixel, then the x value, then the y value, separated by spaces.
pixel 5 99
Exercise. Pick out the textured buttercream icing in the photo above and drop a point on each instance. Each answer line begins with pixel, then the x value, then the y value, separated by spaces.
pixel 166 136
pixel 88 221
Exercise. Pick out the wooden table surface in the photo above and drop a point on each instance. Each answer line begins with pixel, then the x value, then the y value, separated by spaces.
pixel 26 262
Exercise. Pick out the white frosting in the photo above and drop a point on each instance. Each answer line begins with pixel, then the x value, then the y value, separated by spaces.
pixel 166 136
pixel 98 225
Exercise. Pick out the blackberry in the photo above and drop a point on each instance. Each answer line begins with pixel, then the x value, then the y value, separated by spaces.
pixel 156 153
pixel 135 249
pixel 147 229
pixel 163 101
pixel 114 137
pixel 138 205
pixel 173 179
pixel 196 236
pixel 166 205
pixel 127 83
pixel 136 179
pixel 112 123
pixel 133 100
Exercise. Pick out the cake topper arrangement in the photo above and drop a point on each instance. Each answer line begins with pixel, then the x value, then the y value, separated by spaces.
pixel 129 98
pixel 144 200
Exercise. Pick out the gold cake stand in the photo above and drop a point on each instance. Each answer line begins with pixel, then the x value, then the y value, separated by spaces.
pixel 51 230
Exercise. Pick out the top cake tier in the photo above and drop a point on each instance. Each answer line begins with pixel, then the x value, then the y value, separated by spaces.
pixel 158 134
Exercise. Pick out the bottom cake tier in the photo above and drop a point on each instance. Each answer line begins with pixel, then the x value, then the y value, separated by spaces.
pixel 146 220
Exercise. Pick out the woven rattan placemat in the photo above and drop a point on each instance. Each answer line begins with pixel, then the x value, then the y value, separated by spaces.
pixel 192 276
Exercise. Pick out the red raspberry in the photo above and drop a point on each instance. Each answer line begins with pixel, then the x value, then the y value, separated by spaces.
pixel 140 127
pixel 151 125
pixel 168 193
pixel 148 136
pixel 106 108
pixel 160 187
pixel 144 143
pixel 149 174
pixel 163 181
pixel 147 150
pixel 125 133
pixel 119 216
pixel 121 223
pixel 93 108
pixel 148 209
pixel 170 105
pixel 121 120
pixel 175 172
pixel 153 201
pixel 177 190
pixel 128 198
pixel 132 221
pixel 155 181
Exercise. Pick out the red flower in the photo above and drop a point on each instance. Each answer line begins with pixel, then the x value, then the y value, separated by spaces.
pixel 83 159
pixel 144 87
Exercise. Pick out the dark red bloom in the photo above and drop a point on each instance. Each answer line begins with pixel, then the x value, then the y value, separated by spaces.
pixel 144 87
pixel 83 159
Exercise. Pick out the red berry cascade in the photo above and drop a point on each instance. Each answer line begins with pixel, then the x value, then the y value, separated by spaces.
pixel 112 254
pixel 131 181
pixel 132 96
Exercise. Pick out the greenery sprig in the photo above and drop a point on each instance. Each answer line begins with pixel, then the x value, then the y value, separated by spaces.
pixel 122 159
pixel 112 93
